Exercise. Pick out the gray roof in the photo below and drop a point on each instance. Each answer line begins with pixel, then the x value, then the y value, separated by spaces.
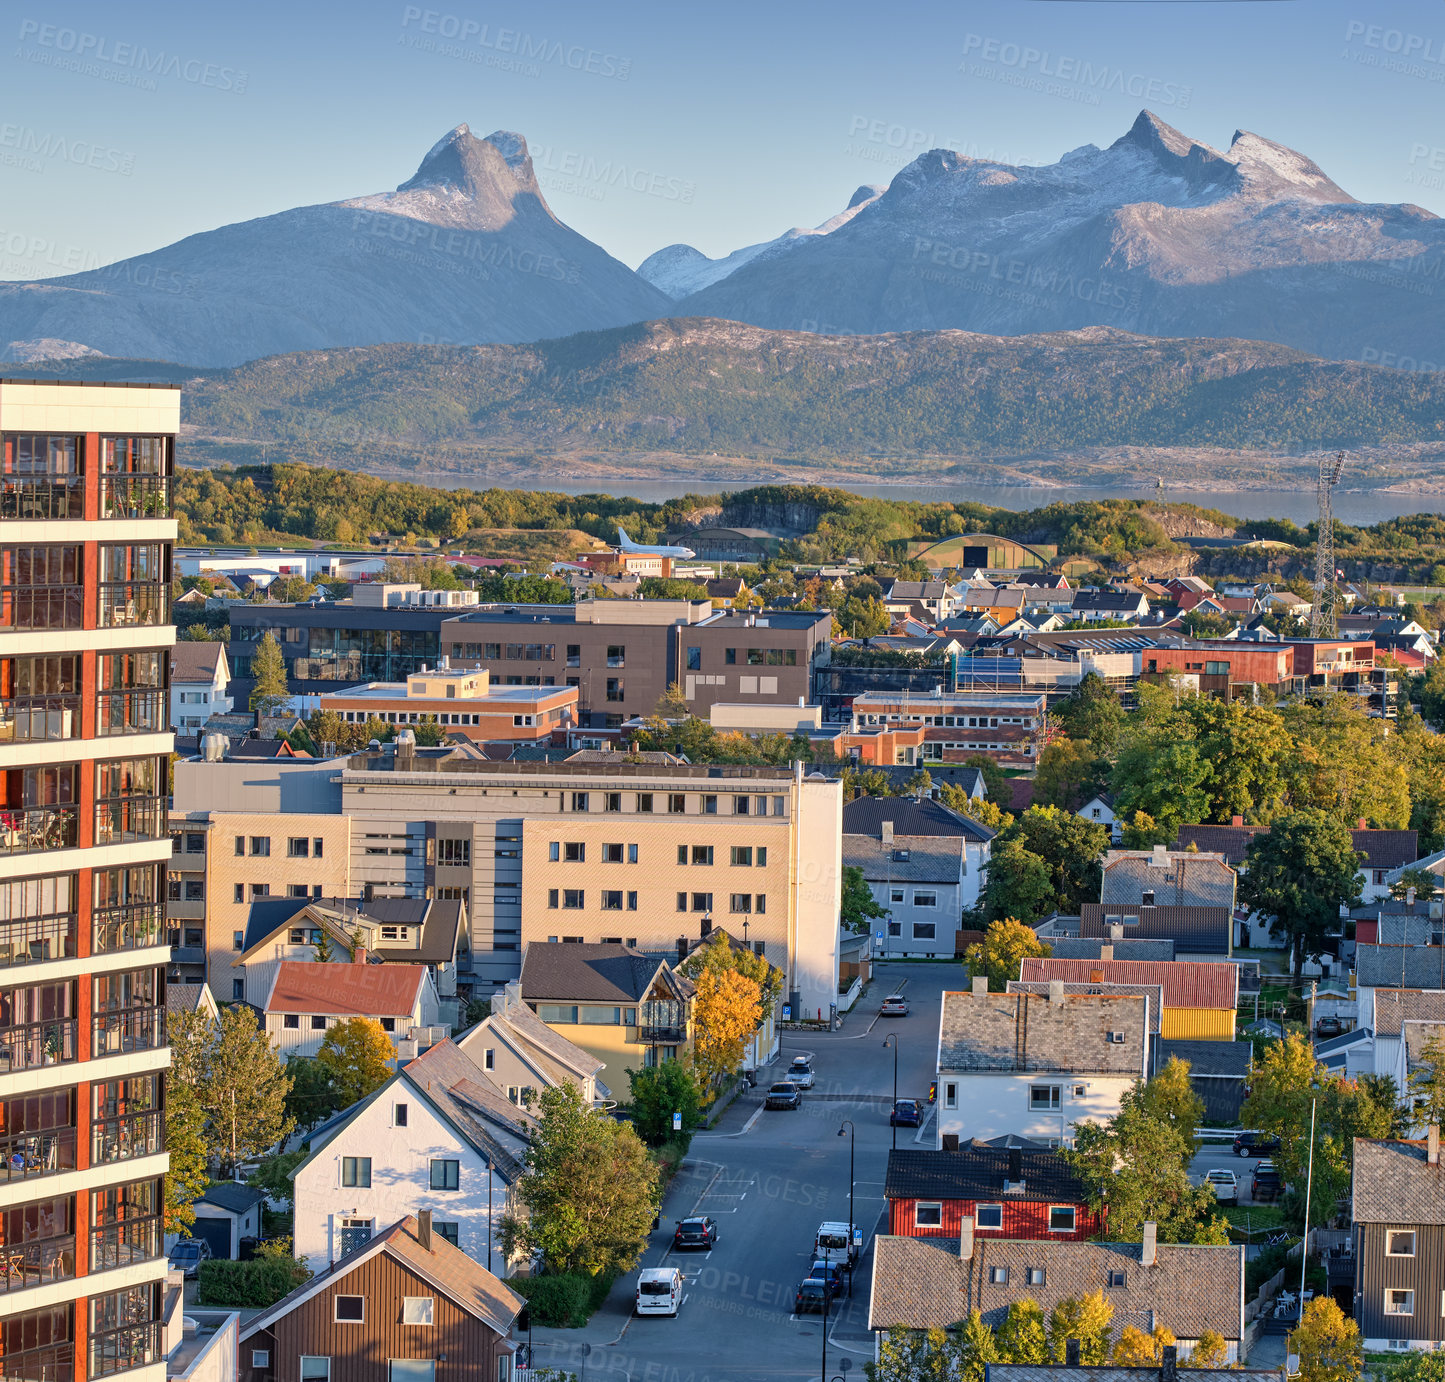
pixel 1021 1031
pixel 481 1114
pixel 585 973
pixel 1400 966
pixel 1404 928
pixel 920 1283
pixel 1229 1060
pixel 1091 948
pixel 1185 880
pixel 930 860
pixel 1153 994
pixel 1204 930
pixel 1059 1372
pixel 1418 1036
pixel 1394 1007
pixel 910 816
pixel 196 661
pixel 233 1196
pixel 1394 1184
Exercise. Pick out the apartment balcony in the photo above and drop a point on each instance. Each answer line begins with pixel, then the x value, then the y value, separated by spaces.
pixel 38 939
pixel 127 1243
pixel 42 497
pixel 129 819
pixel 120 1350
pixel 38 719
pixel 136 1029
pixel 53 1364
pixel 35 1044
pixel 136 927
pixel 135 496
pixel 36 1262
pixel 35 828
pixel 135 604
pixel 662 1034
pixel 142 711
pixel 42 608
pixel 28 1155
pixel 124 1139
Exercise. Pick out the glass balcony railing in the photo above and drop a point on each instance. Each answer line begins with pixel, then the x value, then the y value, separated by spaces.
pixel 135 496
pixel 131 712
pixel 135 927
pixel 30 1154
pixel 123 1244
pixel 119 1350
pixel 131 819
pixel 42 496
pixel 123 1139
pixel 28 719
pixel 37 1261
pixel 38 827
pixel 53 1364
pixel 134 604
pixel 34 1044
pixel 136 1029
pixel 42 607
pixel 37 939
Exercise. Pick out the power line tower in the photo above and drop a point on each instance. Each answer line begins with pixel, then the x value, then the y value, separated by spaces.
pixel 1323 611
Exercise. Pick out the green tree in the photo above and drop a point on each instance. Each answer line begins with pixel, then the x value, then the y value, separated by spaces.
pixel 312 1098
pixel 1301 872
pixel 274 1175
pixel 975 1348
pixel 1210 1351
pixel 1092 713
pixel 1427 1081
pixel 1069 773
pixel 268 667
pixel 187 1178
pixel 1090 1321
pixel 1168 781
pixel 919 1355
pixel 858 906
pixel 242 1088
pixel 1327 1343
pixel 1070 846
pixel 1022 1338
pixel 1420 1367
pixel 658 1092
pixel 1000 954
pixel 1019 882
pixel 1169 1096
pixel 1425 884
pixel 321 945
pixel 358 1056
pixel 672 704
pixel 589 1192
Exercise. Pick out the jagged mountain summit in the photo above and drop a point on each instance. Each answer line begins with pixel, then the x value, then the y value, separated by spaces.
pixel 465 251
pixel 680 269
pixel 1158 234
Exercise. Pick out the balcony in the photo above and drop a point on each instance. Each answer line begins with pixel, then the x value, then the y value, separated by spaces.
pixel 38 939
pixel 131 818
pixel 38 827
pixel 36 719
pixel 137 927
pixel 53 1364
pixel 131 712
pixel 35 1044
pixel 662 1033
pixel 42 607
pixel 124 1139
pixel 135 496
pixel 120 1350
pixel 133 1240
pixel 37 1261
pixel 31 1154
pixel 134 605
pixel 42 496
pixel 135 1029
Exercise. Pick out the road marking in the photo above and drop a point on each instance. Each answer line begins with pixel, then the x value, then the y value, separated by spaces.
pixel 928 1118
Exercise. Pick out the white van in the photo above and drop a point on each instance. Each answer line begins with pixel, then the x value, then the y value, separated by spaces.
pixel 659 1291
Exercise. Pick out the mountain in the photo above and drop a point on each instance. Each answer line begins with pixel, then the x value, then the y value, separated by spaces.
pixel 465 250
pixel 1157 234
pixel 699 390
pixel 679 269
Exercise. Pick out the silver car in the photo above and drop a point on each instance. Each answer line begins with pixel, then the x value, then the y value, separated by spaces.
pixel 801 1074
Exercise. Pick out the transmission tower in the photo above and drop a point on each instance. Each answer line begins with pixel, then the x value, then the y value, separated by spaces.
pixel 1323 609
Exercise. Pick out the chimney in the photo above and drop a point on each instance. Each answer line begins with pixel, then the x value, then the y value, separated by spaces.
pixel 1106 953
pixel 980 985
pixel 1056 991
pixel 681 949
pixel 1236 821
pixel 1116 932
pixel 965 1239
pixel 1432 1144
pixel 1159 859
pixel 1149 1256
pixel 950 1142
pixel 423 1229
pixel 1071 1353
pixel 358 955
pixel 1363 824
pixel 887 833
pixel 1169 1363
pixel 1409 897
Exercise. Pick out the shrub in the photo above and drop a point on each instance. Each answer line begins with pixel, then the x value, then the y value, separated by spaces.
pixel 249 1285
pixel 563 1301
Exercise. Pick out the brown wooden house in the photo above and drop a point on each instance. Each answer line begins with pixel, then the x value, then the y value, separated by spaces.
pixel 406 1306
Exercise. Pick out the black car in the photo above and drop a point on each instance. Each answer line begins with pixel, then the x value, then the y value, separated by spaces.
pixel 1255 1144
pixel 813 1294
pixel 698 1232
pixel 1266 1186
pixel 784 1094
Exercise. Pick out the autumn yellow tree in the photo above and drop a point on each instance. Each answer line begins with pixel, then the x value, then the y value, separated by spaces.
pixel 1090 1321
pixel 1210 1351
pixel 1002 951
pixel 1327 1342
pixel 1136 1349
pixel 357 1054
pixel 725 1013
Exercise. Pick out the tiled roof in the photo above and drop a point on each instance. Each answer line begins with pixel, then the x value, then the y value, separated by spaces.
pixel 196 661
pixel 183 998
pixel 930 860
pixel 1407 928
pixel 1387 849
pixel 865 816
pixel 1199 929
pixel 920 1283
pixel 1232 841
pixel 1228 1060
pixel 354 990
pixel 1383 849
pixel 479 1111
pixel 977 1171
pixel 1022 1032
pixel 1186 983
pixel 1184 880
pixel 1394 1007
pixel 582 973
pixel 1395 1184
pixel 1153 994
pixel 1400 966
pixel 1088 948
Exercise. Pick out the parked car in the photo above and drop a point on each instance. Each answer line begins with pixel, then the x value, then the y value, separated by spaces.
pixel 188 1254
pixel 784 1094
pixel 800 1073
pixel 831 1272
pixel 1328 1027
pixel 895 1005
pixel 1266 1186
pixel 1255 1144
pixel 1225 1185
pixel 697 1232
pixel 813 1294
pixel 659 1291
pixel 834 1243
pixel 906 1114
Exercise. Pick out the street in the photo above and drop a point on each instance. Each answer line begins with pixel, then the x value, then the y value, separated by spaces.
pixel 769 1177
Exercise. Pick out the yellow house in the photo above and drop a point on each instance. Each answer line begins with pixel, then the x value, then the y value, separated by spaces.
pixel 627 1009
pixel 1200 997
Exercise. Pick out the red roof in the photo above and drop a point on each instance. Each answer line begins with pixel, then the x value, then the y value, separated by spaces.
pixel 345 990
pixel 1186 983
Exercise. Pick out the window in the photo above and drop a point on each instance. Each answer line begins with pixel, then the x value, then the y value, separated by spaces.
pixel 453 852
pixel 950 1095
pixel 1036 1276
pixel 998 1276
pixel 615 689
pixel 350 1309
pixel 730 657
pixel 356 1172
pixel 1400 1243
pixel 445 1175
pixel 676 803
pixel 314 1369
pixel 1043 1097
pixel 762 856
pixel 740 903
pixel 1061 1218
pixel 574 852
pixel 742 856
pixel 318 1023
pixel 682 902
pixel 895 928
pixel 573 899
pixel 612 900
pixel 579 801
pixel 694 659
pixel 632 907
pixel 195 844
pixel 1118 1276
pixel 928 1216
pixel 238 990
pixel 418 1310
pixel 612 801
pixel 644 803
pixel 611 854
pixel 239 895
pixel 760 903
pixel 489 1058
pixel 447 1230
pixel 702 854
pixel 923 930
pixel 616 655
pixel 298 847
pixel 552 898
pixel 702 902
pixel 990 1216
pixel 260 846
pixel 238 938
pixel 741 805
pixel 260 890
pixel 895 894
pixel 296 890
pixel 631 854
pixel 926 899
pixel 1399 1302
pixel 240 845
pixel 709 805
pixel 290 1021
pixel 398 1115
pixel 261 1358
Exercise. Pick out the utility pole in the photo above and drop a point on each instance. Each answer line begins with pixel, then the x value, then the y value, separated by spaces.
pixel 1304 1256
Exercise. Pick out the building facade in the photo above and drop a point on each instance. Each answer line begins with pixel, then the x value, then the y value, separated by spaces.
pixel 85 552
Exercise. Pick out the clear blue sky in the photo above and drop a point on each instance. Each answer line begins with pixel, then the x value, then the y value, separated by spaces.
pixel 125 128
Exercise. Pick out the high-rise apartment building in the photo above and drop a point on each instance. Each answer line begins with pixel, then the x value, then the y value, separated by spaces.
pixel 86 536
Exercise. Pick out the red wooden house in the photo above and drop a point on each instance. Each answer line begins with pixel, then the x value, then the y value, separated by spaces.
pixel 1009 1192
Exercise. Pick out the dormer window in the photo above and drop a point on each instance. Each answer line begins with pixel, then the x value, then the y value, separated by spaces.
pixel 1147 900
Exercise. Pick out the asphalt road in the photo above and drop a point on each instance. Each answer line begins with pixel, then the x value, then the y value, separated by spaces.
pixel 769 1178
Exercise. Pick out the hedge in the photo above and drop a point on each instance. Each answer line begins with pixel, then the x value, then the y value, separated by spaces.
pixel 563 1301
pixel 249 1285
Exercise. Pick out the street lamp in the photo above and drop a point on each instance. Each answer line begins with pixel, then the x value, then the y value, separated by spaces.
pixel 892 1040
pixel 852 1148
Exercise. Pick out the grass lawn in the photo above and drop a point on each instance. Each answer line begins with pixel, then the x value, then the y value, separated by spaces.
pixel 1254 1217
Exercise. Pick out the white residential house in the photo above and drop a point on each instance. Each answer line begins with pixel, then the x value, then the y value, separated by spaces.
pixel 438 1136
pixel 306 999
pixel 200 676
pixel 1035 1065
pixel 1099 810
